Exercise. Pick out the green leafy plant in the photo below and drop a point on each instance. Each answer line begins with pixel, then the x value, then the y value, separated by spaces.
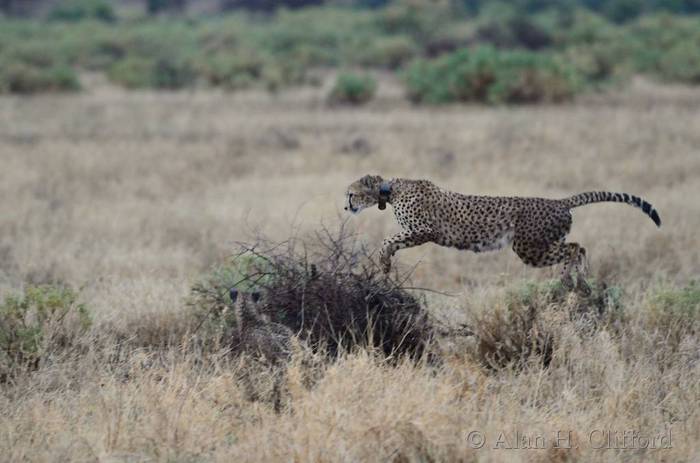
pixel 42 322
pixel 682 63
pixel 354 89
pixel 78 10
pixel 23 78
pixel 161 73
pixel 389 52
pixel 487 75
pixel 234 71
pixel 674 313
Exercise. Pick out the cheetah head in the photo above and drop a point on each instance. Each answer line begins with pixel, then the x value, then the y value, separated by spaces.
pixel 363 193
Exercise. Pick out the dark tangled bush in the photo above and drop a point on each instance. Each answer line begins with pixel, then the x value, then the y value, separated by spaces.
pixel 329 292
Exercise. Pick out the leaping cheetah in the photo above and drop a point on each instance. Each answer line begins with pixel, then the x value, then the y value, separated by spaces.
pixel 536 227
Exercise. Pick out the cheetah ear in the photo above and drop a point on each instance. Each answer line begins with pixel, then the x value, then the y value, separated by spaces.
pixel 371 181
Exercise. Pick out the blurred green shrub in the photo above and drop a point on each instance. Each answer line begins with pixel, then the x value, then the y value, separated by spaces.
pixel 674 317
pixel 681 63
pixel 421 19
pixel 234 70
pixel 160 73
pixel 390 52
pixel 285 48
pixel 678 303
pixel 490 76
pixel 596 65
pixel 43 322
pixel 516 32
pixel 78 10
pixel 21 78
pixel 354 89
pixel 157 6
pixel 667 46
pixel 581 27
pixel 29 67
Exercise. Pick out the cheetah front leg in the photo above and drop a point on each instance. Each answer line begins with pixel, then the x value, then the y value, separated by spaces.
pixel 401 240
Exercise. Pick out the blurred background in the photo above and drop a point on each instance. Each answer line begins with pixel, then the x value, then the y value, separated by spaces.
pixel 519 51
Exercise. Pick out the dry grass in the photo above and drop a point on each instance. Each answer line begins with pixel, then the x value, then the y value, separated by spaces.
pixel 130 196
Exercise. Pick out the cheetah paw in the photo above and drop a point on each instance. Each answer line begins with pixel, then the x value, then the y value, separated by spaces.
pixel 385 263
pixel 582 287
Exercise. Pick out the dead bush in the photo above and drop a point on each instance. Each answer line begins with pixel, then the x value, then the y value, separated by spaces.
pixel 327 290
pixel 523 327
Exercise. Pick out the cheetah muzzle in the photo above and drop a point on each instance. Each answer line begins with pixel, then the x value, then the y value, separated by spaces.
pixel 535 227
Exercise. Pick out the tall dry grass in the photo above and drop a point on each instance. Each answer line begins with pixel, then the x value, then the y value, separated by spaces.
pixel 131 196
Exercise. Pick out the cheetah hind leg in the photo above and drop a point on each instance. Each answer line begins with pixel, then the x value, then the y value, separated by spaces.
pixel 572 255
pixel 582 268
pixel 576 262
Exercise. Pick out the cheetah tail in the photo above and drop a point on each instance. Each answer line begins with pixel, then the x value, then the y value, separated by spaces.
pixel 602 196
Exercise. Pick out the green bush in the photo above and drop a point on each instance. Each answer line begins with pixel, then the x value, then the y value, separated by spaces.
pixel 314 36
pixel 583 28
pixel 22 78
pixel 78 10
pixel 133 72
pixel 37 325
pixel 596 64
pixel 665 46
pixel 518 31
pixel 487 75
pixel 234 70
pixel 681 63
pixel 672 320
pixel 390 52
pixel 33 66
pixel 161 73
pixel 354 89
pixel 241 50
pixel 421 19
pixel 156 6
pixel 680 304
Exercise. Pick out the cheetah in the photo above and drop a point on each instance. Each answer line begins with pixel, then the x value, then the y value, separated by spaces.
pixel 536 227
pixel 254 330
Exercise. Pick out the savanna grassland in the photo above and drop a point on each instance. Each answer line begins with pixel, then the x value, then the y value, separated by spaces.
pixel 129 197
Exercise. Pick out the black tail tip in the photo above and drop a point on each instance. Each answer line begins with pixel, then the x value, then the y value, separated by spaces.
pixel 655 217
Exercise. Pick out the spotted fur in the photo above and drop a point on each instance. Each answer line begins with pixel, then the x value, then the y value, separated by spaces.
pixel 535 227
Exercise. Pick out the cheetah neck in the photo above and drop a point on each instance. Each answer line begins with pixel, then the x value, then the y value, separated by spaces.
pixel 398 187
pixel 391 189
